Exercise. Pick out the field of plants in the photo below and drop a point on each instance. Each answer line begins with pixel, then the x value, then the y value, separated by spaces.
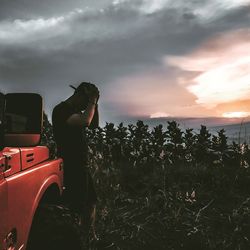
pixel 169 189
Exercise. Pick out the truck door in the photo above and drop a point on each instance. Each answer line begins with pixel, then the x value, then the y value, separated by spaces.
pixel 3 183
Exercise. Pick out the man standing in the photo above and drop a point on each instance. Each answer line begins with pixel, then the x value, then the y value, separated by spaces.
pixel 70 118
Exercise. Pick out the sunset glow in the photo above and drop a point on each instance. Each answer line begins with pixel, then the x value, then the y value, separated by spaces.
pixel 223 69
pixel 159 115
pixel 236 114
pixel 223 83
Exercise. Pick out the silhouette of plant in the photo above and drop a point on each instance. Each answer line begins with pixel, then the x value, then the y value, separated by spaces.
pixel 168 189
pixel 47 137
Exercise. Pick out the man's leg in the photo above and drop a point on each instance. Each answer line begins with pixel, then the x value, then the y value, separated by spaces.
pixel 93 238
pixel 90 219
pixel 90 200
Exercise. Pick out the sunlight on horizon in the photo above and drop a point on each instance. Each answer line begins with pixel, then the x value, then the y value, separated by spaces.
pixel 159 115
pixel 235 114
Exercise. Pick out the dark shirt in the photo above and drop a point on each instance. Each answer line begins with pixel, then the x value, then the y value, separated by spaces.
pixel 71 140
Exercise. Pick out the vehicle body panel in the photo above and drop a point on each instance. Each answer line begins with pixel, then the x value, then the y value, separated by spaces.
pixel 12 161
pixel 3 204
pixel 26 190
pixel 31 156
pixel 27 176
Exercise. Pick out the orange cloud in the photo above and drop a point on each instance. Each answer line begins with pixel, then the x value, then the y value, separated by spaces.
pixel 234 107
pixel 153 94
pixel 214 80
pixel 224 66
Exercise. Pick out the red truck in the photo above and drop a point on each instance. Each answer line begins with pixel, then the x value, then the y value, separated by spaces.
pixel 31 184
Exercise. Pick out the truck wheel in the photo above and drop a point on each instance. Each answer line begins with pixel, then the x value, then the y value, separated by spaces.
pixel 55 228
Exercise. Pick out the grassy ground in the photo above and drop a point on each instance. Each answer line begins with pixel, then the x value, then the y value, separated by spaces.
pixel 193 210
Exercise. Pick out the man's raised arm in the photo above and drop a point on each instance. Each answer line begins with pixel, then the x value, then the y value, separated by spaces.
pixel 90 114
pixel 95 121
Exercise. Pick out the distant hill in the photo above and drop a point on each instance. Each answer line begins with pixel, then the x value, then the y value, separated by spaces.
pixel 236 132
pixel 193 122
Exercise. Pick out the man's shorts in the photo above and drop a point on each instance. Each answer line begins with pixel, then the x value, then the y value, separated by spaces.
pixel 79 187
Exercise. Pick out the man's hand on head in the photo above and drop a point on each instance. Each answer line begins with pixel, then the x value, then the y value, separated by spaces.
pixel 89 95
pixel 93 93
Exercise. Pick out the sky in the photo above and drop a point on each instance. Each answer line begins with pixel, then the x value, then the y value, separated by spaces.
pixel 151 58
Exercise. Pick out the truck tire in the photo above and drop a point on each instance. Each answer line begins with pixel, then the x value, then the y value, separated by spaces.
pixel 55 228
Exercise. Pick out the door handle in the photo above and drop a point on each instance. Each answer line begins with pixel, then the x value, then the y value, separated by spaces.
pixel 2 167
pixel 7 157
pixel 11 239
pixel 6 166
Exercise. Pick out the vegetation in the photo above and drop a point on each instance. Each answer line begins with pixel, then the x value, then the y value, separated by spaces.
pixel 169 189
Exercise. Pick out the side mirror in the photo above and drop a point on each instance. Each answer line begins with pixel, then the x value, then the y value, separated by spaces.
pixel 2 108
pixel 23 119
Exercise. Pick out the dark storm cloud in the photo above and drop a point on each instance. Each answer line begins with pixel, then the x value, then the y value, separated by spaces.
pixel 119 44
pixel 26 9
pixel 237 18
pixel 100 45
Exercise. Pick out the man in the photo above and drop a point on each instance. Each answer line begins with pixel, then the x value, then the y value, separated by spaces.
pixel 70 118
